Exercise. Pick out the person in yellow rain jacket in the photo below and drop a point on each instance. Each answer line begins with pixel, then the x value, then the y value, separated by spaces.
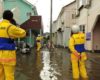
pixel 38 42
pixel 8 32
pixel 78 55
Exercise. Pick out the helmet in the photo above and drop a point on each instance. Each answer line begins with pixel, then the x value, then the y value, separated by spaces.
pixel 75 29
pixel 7 14
pixel 39 35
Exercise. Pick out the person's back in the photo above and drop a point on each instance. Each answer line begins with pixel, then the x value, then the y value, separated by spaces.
pixel 78 54
pixel 8 32
pixel 38 41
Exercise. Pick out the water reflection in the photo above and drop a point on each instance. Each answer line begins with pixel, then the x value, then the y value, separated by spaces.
pixel 44 65
pixel 28 66
pixel 48 72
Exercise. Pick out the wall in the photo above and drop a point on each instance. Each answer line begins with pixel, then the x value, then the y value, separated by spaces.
pixel 1 9
pixel 21 9
pixel 96 36
pixel 88 17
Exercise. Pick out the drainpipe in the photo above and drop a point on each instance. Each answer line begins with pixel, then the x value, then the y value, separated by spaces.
pixel 51 5
pixel 30 36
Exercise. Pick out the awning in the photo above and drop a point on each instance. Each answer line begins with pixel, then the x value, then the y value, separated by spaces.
pixel 33 23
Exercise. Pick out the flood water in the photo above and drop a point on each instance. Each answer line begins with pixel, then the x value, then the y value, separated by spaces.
pixel 55 65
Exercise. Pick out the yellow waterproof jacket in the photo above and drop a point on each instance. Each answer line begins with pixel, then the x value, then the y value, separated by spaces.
pixel 39 38
pixel 76 46
pixel 76 43
pixel 9 31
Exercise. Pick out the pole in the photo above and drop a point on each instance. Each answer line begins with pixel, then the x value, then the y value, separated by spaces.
pixel 50 25
pixel 30 39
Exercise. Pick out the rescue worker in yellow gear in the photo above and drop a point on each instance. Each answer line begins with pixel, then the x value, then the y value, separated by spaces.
pixel 8 32
pixel 78 55
pixel 38 42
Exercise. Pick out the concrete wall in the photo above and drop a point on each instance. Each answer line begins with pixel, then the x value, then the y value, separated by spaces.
pixel 66 36
pixel 54 35
pixel 68 12
pixel 59 38
pixel 96 36
pixel 64 23
pixel 88 16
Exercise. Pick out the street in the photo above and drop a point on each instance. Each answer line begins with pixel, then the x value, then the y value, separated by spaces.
pixel 29 25
pixel 52 66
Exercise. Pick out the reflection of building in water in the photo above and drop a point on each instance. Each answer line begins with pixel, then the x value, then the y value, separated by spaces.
pixel 48 72
pixel 38 60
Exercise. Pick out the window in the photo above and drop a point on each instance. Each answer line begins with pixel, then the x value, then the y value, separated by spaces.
pixel 73 16
pixel 29 14
pixel 82 28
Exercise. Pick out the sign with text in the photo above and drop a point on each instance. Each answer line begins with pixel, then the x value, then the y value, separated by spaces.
pixel 88 36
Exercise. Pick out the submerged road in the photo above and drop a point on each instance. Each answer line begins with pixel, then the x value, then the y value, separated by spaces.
pixel 54 65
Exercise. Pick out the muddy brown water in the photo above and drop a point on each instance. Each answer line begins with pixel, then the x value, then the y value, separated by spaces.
pixel 53 65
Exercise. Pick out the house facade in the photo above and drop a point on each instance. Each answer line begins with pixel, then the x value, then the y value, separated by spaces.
pixel 63 24
pixel 22 9
pixel 88 17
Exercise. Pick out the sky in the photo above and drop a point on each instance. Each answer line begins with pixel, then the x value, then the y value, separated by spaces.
pixel 43 9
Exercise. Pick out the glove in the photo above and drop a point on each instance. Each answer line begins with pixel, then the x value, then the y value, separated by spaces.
pixel 77 55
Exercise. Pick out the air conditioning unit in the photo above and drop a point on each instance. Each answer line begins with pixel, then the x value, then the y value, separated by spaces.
pixel 87 3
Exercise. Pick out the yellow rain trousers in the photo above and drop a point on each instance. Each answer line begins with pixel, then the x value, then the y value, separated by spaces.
pixel 8 57
pixel 38 39
pixel 78 56
pixel 38 46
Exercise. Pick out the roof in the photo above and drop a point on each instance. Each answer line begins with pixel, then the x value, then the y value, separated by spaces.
pixel 28 3
pixel 34 22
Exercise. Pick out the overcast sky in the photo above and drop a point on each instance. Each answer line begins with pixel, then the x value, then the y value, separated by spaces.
pixel 43 9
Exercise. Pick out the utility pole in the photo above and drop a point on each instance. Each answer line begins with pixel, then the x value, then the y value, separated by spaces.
pixel 51 5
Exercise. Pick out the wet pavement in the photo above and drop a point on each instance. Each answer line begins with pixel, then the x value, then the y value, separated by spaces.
pixel 52 66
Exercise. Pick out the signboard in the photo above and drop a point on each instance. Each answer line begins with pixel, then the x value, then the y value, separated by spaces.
pixel 88 36
pixel 35 22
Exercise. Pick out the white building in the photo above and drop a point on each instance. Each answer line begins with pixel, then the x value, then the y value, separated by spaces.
pixel 63 24
pixel 88 17
pixel 1 8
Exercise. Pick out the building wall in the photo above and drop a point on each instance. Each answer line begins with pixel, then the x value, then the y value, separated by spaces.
pixel 57 34
pixel 96 36
pixel 64 21
pixel 54 35
pixel 1 9
pixel 88 17
pixel 70 10
pixel 54 26
pixel 21 9
pixel 59 38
